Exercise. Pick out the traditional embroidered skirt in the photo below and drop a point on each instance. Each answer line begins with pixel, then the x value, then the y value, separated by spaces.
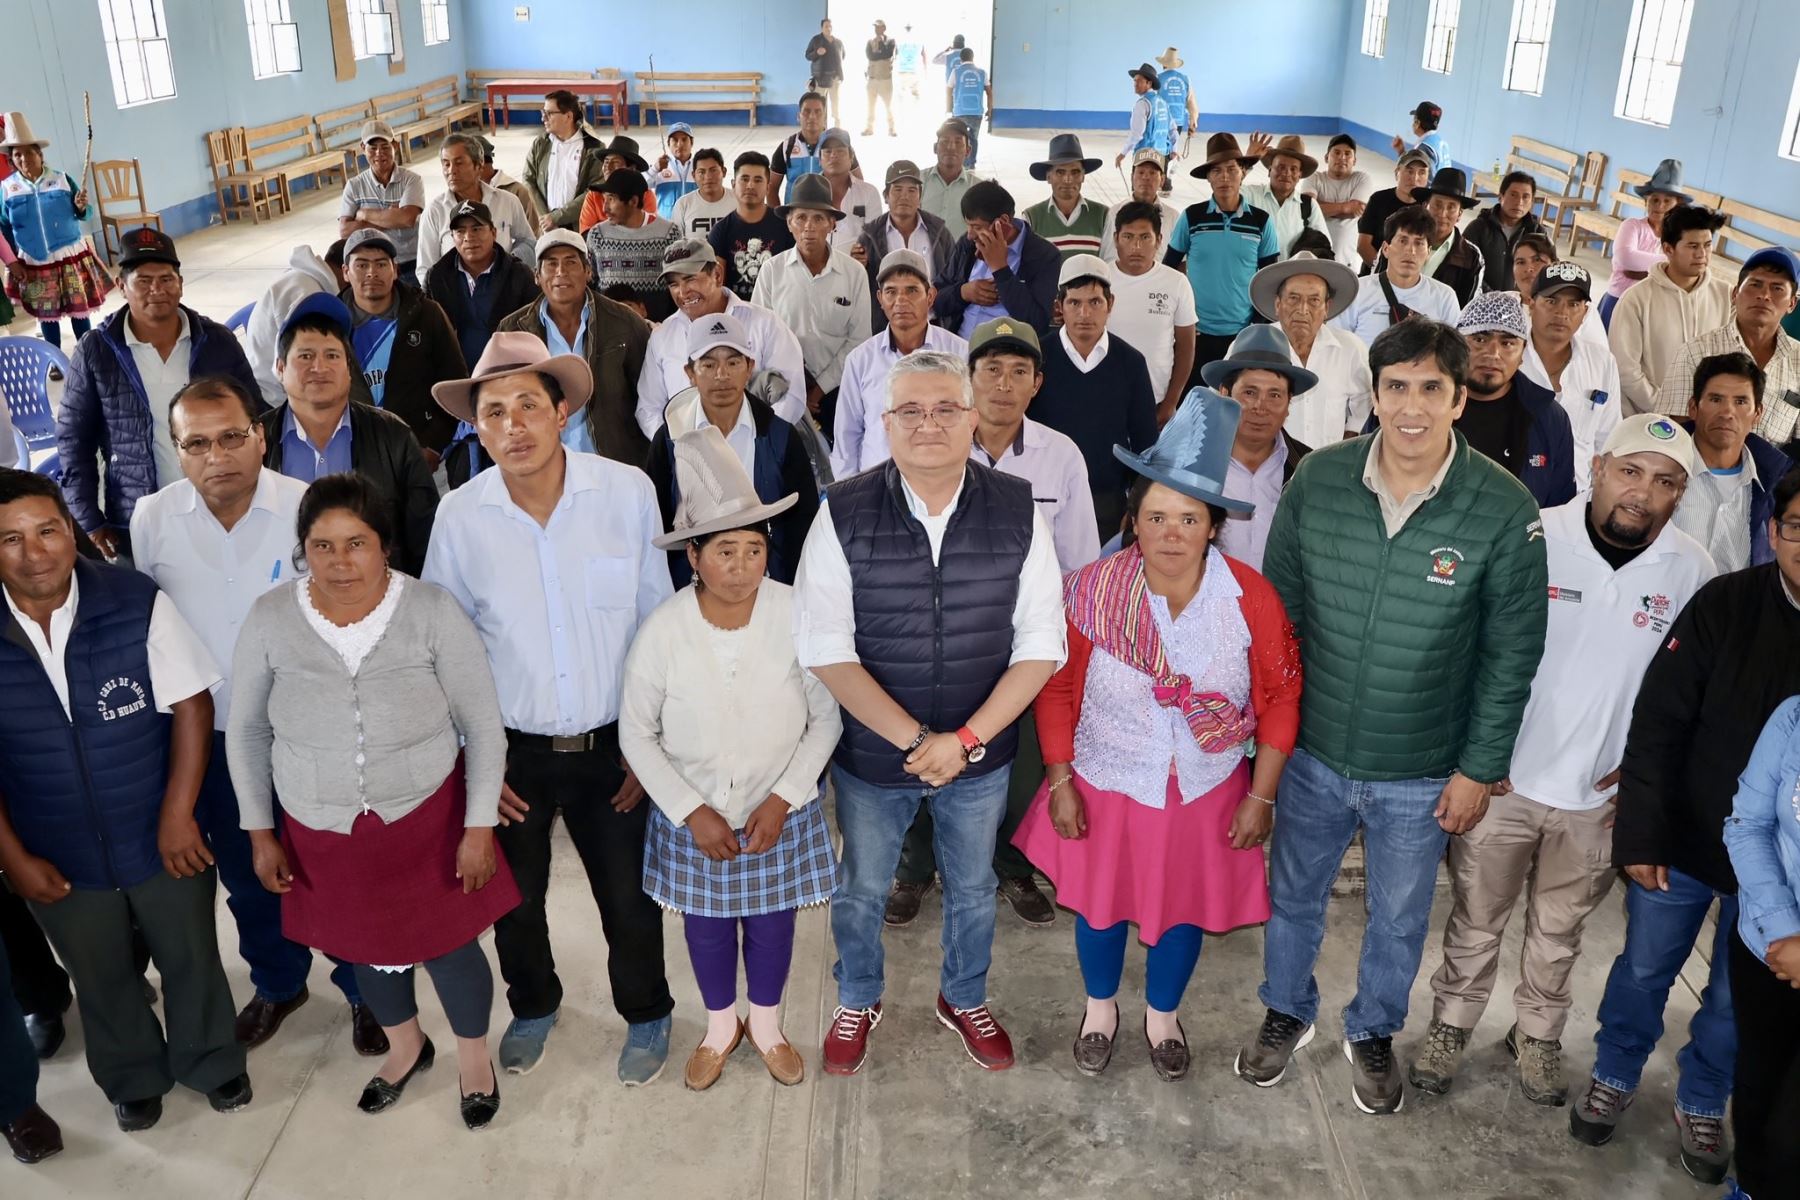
pixel 800 869
pixel 1159 867
pixel 389 893
pixel 71 287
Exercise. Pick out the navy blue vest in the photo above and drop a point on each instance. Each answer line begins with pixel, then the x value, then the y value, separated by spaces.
pixel 936 638
pixel 86 792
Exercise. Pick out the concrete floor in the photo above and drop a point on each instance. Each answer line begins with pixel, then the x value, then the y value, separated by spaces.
pixel 922 1120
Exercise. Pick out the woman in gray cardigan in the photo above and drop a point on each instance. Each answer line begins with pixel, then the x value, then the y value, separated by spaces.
pixel 353 687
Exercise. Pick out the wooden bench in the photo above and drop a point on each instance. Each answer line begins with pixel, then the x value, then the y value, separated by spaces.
pixel 1765 229
pixel 1592 225
pixel 405 111
pixel 442 99
pixel 721 91
pixel 239 188
pixel 340 129
pixel 1559 175
pixel 292 149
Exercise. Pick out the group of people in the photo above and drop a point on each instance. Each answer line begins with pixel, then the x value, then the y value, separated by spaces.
pixel 1130 546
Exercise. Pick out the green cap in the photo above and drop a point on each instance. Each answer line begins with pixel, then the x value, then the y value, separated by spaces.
pixel 1005 335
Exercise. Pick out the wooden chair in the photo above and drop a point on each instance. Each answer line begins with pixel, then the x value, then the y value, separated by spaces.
pixel 340 130
pixel 120 181
pixel 237 188
pixel 1583 193
pixel 725 91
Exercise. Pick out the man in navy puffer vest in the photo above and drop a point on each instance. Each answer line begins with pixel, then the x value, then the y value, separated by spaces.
pixel 929 601
pixel 97 827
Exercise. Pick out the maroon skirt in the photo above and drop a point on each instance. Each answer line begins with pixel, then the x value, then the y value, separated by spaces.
pixel 388 894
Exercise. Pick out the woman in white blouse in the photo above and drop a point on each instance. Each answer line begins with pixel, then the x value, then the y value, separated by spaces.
pixel 729 737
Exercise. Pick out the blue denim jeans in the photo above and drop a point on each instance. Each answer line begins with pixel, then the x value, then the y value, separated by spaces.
pixel 965 817
pixel 1660 929
pixel 278 967
pixel 1317 815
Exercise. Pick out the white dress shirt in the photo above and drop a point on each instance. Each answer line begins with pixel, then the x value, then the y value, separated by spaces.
pixel 1289 221
pixel 1051 462
pixel 861 438
pixel 1367 316
pixel 556 605
pixel 860 205
pixel 1147 310
pixel 162 379
pixel 1093 358
pixel 919 240
pixel 1589 394
pixel 212 574
pixel 773 346
pixel 828 312
pixel 564 174
pixel 180 666
pixel 512 232
pixel 1244 537
pixel 825 619
pixel 1340 402
pixel 741 439
pixel 1715 511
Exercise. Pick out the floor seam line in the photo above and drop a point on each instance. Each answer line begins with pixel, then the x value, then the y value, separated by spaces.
pixel 306 1079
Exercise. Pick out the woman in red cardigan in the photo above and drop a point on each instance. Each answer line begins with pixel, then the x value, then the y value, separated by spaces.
pixel 1164 737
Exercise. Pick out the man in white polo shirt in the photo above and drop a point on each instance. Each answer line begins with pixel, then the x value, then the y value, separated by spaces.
pixel 214 541
pixel 1619 574
pixel 1302 295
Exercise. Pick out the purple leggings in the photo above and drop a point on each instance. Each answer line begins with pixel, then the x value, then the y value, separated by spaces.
pixel 768 950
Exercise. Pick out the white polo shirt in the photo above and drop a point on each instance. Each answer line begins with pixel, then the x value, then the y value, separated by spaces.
pixel 1589 394
pixel 212 575
pixel 1367 316
pixel 1604 626
pixel 861 204
pixel 162 379
pixel 1340 402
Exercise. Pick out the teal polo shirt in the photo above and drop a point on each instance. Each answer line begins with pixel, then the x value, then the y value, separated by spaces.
pixel 1223 250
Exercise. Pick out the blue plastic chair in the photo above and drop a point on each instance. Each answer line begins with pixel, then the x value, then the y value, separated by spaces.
pixel 239 321
pixel 25 379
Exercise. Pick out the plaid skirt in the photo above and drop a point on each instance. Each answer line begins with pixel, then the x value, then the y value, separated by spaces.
pixel 800 869
pixel 72 287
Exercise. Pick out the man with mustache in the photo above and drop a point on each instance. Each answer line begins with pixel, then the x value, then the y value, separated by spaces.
pixel 1508 417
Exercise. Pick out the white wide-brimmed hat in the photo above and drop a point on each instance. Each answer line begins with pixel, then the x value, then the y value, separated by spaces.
pixel 715 492
pixel 18 133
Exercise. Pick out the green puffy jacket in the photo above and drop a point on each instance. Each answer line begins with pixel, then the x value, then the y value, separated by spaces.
pixel 1419 651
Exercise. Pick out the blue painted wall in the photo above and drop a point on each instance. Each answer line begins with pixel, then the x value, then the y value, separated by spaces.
pixel 1063 63
pixel 213 84
pixel 1738 73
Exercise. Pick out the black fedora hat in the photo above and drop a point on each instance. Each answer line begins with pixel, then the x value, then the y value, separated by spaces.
pixel 1451 182
pixel 1064 147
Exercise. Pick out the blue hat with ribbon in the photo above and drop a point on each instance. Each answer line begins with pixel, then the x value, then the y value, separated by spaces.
pixel 1665 179
pixel 1194 450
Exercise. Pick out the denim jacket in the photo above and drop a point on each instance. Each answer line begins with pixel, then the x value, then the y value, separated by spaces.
pixel 1763 833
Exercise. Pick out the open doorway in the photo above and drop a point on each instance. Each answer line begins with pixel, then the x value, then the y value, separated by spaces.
pixel 921 63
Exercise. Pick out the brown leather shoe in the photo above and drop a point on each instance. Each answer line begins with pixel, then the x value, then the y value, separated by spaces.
pixel 34 1136
pixel 262 1017
pixel 365 1032
pixel 705 1065
pixel 785 1065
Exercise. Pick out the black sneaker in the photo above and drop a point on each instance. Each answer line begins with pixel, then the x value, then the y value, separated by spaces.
pixel 1374 1079
pixel 1265 1060
pixel 903 902
pixel 1594 1120
pixel 1028 903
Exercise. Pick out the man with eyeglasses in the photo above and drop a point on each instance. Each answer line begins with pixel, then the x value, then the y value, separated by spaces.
pixel 1301 295
pixel 214 541
pixel 930 602
pixel 115 404
pixel 1730 659
pixel 1728 503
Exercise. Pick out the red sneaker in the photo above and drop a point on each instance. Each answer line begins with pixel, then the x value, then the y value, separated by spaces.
pixel 981 1035
pixel 847 1041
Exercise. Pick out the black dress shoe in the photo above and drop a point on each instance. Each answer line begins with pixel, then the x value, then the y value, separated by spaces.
pixel 231 1095
pixel 478 1108
pixel 380 1095
pixel 903 903
pixel 1028 903
pixel 135 1116
pixel 262 1017
pixel 47 1032
pixel 366 1036
pixel 34 1136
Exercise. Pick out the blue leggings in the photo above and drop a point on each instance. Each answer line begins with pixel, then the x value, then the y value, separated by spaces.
pixel 1167 967
pixel 52 330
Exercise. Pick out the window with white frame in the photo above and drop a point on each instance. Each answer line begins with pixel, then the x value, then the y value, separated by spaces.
pixel 437 21
pixel 1374 39
pixel 371 28
pixel 1440 35
pixel 137 51
pixel 1528 46
pixel 274 38
pixel 1654 46
pixel 1790 128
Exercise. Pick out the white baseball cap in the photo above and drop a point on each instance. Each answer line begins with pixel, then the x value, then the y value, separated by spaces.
pixel 1652 432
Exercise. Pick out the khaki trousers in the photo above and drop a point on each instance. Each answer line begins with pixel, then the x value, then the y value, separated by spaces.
pixel 882 90
pixel 1562 863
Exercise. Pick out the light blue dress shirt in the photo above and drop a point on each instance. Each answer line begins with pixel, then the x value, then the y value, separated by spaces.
pixel 301 460
pixel 576 435
pixel 556 605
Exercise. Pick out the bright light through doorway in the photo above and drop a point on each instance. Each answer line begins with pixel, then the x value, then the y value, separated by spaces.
pixel 919 97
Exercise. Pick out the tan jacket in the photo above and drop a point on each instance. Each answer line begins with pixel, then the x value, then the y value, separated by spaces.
pixel 1653 320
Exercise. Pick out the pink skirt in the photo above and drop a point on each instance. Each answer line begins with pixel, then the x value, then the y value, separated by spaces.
pixel 1157 867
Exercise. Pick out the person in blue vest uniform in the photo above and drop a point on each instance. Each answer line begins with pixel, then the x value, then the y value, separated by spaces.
pixel 1152 127
pixel 971 97
pixel 673 176
pixel 929 602
pixel 720 365
pixel 97 828
pixel 1425 119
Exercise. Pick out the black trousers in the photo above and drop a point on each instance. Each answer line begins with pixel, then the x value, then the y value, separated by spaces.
pixel 580 786
pixel 39 983
pixel 918 861
pixel 127 1053
pixel 1765 1098
pixel 18 1059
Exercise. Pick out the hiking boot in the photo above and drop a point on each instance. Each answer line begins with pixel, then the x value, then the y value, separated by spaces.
pixel 1704 1151
pixel 1265 1060
pixel 903 903
pixel 1596 1117
pixel 1374 1079
pixel 1434 1069
pixel 1540 1069
pixel 1028 903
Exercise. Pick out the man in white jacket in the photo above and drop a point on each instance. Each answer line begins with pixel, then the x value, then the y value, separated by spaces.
pixel 1677 302
pixel 307 274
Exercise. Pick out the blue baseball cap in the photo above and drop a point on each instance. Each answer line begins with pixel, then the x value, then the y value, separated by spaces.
pixel 678 127
pixel 319 304
pixel 1775 258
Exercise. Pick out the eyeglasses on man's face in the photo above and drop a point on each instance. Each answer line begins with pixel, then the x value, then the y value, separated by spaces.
pixel 944 416
pixel 198 447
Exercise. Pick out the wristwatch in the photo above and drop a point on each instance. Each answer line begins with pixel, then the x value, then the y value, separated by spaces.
pixel 974 749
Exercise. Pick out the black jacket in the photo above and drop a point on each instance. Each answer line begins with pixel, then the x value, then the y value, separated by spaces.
pixel 513 288
pixel 426 351
pixel 1296 450
pixel 1485 234
pixel 1028 295
pixel 384 451
pixel 1732 656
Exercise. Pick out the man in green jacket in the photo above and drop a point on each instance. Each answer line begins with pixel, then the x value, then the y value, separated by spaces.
pixel 1413 569
pixel 563 163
